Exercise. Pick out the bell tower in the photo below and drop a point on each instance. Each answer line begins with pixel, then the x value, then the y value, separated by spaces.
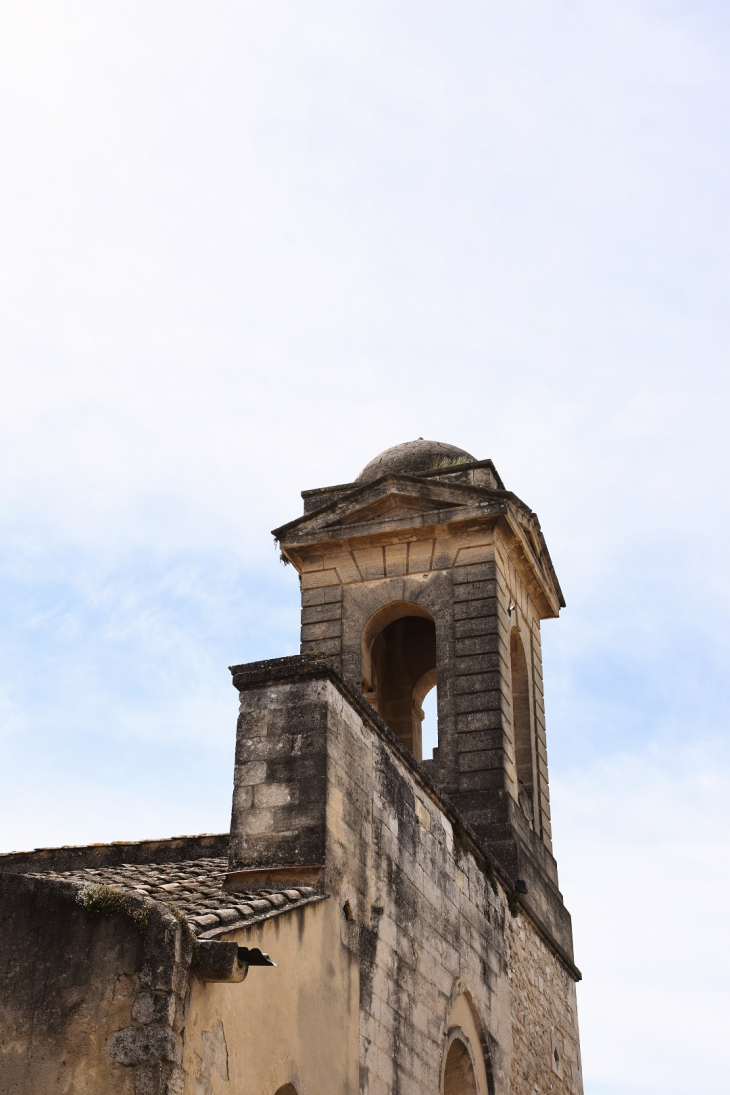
pixel 426 572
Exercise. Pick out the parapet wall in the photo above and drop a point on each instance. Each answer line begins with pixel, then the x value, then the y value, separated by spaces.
pixel 174 849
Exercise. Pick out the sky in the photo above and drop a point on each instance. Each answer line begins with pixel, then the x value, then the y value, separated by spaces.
pixel 247 246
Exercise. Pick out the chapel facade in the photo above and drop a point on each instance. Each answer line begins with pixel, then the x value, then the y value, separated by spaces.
pixel 410 904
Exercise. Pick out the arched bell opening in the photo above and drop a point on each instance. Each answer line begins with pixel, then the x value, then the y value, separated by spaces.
pixel 459 1078
pixel 521 721
pixel 399 668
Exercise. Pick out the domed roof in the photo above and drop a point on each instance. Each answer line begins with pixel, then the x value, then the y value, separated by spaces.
pixel 412 457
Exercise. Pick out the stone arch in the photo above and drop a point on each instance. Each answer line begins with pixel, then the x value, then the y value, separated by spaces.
pixel 389 613
pixel 399 667
pixel 521 721
pixel 284 1079
pixel 459 1076
pixel 424 685
pixel 465 1064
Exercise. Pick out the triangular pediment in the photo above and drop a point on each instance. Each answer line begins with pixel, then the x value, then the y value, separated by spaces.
pixel 392 506
pixel 398 503
pixel 392 498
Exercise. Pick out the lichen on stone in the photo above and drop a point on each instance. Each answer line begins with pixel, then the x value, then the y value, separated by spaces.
pixel 446 463
pixel 184 923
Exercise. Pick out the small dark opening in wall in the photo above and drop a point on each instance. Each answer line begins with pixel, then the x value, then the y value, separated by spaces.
pixel 347 911
pixel 556 1055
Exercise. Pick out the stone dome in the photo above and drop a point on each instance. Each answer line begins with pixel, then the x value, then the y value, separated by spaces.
pixel 412 457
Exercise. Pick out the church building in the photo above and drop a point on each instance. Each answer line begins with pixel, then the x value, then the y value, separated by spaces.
pixel 377 922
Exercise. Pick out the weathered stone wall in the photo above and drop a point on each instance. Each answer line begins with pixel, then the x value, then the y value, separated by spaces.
pixel 512 590
pixel 544 1015
pixel 422 911
pixel 90 1000
pixel 67 983
pixel 280 781
pixel 433 928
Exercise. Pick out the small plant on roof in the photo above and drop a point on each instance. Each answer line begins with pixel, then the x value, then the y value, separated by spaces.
pixel 184 923
pixel 99 898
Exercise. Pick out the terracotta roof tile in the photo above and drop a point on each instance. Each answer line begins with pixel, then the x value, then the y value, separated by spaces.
pixel 195 887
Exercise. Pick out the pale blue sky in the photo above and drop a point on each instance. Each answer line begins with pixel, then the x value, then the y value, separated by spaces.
pixel 247 246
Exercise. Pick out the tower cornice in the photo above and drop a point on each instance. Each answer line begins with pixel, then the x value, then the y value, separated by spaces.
pixel 397 508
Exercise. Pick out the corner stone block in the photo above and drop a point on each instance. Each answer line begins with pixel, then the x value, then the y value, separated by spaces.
pixel 282 822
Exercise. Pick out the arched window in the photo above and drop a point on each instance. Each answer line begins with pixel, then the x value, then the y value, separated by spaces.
pixel 287 1089
pixel 521 715
pixel 465 1068
pixel 399 668
pixel 459 1078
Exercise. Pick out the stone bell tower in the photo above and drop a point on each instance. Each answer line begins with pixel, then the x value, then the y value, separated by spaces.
pixel 425 571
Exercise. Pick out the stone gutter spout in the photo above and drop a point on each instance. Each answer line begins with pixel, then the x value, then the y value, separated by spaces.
pixel 225 961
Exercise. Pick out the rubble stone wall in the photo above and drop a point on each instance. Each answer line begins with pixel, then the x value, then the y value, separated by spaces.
pixel 546 1053
pixel 90 1000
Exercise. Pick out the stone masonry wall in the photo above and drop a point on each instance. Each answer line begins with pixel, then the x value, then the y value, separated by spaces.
pixel 512 590
pixel 544 1016
pixel 91 999
pixel 424 913
pixel 466 580
pixel 279 791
